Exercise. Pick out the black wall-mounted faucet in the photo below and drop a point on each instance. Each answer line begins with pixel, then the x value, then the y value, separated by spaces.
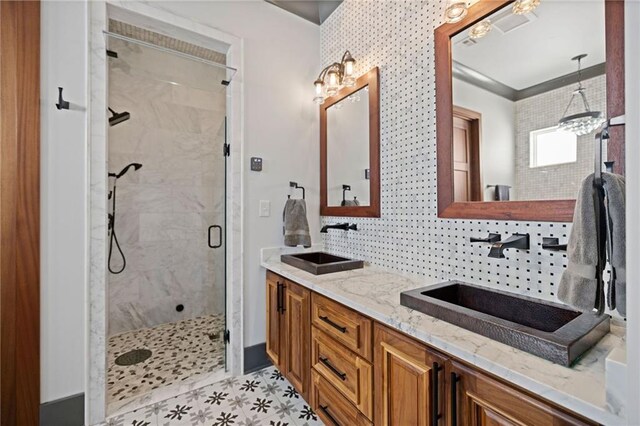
pixel 517 241
pixel 344 226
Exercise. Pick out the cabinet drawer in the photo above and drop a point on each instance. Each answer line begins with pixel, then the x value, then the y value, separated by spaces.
pixel 346 371
pixel 346 326
pixel 331 406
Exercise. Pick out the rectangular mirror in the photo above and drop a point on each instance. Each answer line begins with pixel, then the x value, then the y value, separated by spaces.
pixel 520 98
pixel 350 150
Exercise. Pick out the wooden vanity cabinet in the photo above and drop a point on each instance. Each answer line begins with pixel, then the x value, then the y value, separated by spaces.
pixel 329 351
pixel 476 399
pixel 289 330
pixel 409 381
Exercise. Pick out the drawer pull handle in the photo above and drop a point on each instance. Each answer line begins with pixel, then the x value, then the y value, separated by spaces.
pixel 454 398
pixel 435 415
pixel 325 410
pixel 333 324
pixel 335 371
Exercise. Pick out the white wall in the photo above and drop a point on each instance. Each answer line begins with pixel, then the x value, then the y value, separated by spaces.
pixel 281 61
pixel 64 196
pixel 497 150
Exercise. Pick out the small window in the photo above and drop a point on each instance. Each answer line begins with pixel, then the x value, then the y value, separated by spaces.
pixel 552 146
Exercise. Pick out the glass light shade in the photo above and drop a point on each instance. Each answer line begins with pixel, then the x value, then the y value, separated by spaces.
pixel 455 11
pixel 521 7
pixel 480 29
pixel 582 123
pixel 319 88
pixel 333 83
pixel 348 79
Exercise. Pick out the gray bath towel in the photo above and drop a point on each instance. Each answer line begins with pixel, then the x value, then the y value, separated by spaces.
pixel 578 284
pixel 615 202
pixel 296 226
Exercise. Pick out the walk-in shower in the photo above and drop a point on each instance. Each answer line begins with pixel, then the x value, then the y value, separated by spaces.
pixel 166 290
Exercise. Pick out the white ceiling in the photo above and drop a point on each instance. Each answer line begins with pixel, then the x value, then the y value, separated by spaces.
pixel 541 49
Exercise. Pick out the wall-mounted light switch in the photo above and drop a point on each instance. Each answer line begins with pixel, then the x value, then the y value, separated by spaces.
pixel 265 208
pixel 256 164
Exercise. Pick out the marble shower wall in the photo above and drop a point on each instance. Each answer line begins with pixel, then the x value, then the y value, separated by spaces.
pixel 397 36
pixel 176 131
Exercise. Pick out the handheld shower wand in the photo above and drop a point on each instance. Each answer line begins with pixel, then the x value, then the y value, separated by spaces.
pixel 112 219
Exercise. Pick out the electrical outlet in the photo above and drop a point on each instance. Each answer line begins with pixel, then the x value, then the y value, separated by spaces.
pixel 265 208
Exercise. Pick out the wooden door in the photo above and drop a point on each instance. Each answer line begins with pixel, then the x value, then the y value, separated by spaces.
pixel 296 336
pixel 274 351
pixel 406 386
pixel 466 156
pixel 483 401
pixel 20 213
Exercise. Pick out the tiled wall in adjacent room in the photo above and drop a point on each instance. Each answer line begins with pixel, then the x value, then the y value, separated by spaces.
pixel 176 131
pixel 541 112
pixel 409 237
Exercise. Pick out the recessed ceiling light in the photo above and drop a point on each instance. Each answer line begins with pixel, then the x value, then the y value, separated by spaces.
pixel 521 7
pixel 480 29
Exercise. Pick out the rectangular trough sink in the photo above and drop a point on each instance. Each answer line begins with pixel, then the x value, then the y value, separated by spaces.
pixel 548 330
pixel 319 263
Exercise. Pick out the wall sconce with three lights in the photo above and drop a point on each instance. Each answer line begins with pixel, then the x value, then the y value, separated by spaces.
pixel 334 77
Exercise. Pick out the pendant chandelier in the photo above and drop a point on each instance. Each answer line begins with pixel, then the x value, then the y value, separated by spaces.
pixel 584 122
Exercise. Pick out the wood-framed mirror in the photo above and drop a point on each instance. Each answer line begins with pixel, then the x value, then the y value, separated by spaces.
pixel 520 165
pixel 350 150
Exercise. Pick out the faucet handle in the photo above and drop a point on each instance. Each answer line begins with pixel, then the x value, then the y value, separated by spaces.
pixel 492 238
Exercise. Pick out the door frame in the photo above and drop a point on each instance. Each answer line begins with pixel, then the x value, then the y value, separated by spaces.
pixel 97 333
pixel 19 213
pixel 474 118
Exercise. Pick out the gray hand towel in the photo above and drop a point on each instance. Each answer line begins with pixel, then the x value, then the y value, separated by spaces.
pixel 296 226
pixel 615 202
pixel 350 203
pixel 578 284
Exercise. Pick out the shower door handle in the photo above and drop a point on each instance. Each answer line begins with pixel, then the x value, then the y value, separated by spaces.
pixel 219 228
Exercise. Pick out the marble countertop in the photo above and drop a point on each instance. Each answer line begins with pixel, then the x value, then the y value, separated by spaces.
pixel 376 293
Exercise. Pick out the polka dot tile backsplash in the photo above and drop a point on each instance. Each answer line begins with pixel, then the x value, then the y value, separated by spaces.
pixel 397 37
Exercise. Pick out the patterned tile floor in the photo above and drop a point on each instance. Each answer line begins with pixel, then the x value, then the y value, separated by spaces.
pixel 181 351
pixel 261 398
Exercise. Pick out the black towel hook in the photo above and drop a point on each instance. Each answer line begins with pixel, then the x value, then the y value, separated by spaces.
pixel 296 186
pixel 62 104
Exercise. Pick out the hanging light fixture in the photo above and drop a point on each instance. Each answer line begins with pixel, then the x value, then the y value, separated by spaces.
pixel 585 122
pixel 480 29
pixel 456 10
pixel 334 77
pixel 522 7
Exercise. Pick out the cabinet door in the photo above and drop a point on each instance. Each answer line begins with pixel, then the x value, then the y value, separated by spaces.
pixel 483 401
pixel 406 385
pixel 273 318
pixel 296 336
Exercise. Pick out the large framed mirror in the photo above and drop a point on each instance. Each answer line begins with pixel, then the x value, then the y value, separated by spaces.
pixel 350 150
pixel 507 86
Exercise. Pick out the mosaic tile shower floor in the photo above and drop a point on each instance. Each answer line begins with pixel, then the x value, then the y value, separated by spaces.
pixel 180 351
pixel 261 398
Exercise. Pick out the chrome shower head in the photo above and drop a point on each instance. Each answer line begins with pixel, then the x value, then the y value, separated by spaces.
pixel 118 117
